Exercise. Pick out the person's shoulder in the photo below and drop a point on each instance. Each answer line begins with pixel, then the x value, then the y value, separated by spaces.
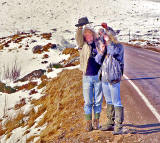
pixel 119 45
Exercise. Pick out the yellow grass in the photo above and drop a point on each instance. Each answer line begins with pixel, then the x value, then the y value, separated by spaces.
pixel 73 53
pixel 63 101
pixel 63 107
pixel 12 124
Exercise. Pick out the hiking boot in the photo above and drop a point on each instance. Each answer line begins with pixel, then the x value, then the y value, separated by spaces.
pixel 110 118
pixel 119 117
pixel 89 126
pixel 96 124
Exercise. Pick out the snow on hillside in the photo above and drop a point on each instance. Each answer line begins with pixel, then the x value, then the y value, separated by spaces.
pixel 140 17
pixel 137 18
pixel 28 61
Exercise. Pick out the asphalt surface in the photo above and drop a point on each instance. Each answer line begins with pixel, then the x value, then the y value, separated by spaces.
pixel 143 68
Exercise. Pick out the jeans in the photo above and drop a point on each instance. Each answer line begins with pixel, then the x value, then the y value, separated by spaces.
pixel 92 92
pixel 112 93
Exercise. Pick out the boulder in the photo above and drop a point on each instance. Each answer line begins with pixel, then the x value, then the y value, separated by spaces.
pixel 37 49
pixel 33 75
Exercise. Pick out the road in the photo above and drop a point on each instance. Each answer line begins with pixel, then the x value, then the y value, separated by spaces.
pixel 142 67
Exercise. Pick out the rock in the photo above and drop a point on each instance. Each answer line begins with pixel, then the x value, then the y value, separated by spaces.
pixel 33 92
pixel 4 3
pixel 20 104
pixel 44 62
pixel 67 44
pixel 45 56
pixel 54 46
pixel 54 29
pixel 33 75
pixel 33 41
pixel 72 39
pixel 67 31
pixel 37 49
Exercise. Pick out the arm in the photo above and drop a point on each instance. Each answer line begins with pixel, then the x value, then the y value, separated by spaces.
pixel 120 56
pixel 79 37
pixel 98 58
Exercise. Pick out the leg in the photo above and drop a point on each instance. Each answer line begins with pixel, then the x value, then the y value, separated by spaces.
pixel 107 92
pixel 97 101
pixel 115 94
pixel 98 98
pixel 88 100
pixel 119 113
pixel 110 108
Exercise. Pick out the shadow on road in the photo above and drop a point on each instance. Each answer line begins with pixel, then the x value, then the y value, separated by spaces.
pixel 143 129
pixel 142 78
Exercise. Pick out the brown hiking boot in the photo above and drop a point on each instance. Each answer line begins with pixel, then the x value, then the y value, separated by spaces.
pixel 96 124
pixel 89 126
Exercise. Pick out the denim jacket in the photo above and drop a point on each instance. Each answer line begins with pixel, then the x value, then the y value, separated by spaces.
pixel 115 50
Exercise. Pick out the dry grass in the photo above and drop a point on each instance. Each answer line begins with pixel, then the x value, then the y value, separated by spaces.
pixel 1 47
pixel 27 86
pixel 73 53
pixel 44 82
pixel 63 104
pixel 46 36
pixel 31 138
pixel 63 108
pixel 44 48
pixel 14 123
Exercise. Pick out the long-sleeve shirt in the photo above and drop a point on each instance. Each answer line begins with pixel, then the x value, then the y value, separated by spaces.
pixel 93 66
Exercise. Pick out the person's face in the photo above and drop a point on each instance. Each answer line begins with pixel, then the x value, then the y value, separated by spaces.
pixel 89 37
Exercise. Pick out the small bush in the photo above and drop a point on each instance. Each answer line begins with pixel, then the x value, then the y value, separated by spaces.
pixel 13 73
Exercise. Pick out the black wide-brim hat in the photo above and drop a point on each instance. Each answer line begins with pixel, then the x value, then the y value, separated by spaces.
pixel 83 21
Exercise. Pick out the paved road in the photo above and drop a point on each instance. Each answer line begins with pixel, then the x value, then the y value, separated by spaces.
pixel 143 67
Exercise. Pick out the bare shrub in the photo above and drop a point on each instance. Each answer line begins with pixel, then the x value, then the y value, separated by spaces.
pixel 12 73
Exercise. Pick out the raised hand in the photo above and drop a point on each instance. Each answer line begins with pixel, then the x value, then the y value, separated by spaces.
pixel 104 25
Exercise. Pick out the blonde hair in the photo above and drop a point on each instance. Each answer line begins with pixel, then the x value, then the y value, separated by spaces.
pixel 90 30
pixel 112 38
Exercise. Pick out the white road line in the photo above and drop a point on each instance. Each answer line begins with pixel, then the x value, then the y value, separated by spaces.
pixel 148 104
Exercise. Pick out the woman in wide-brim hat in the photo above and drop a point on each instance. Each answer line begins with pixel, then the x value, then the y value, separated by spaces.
pixel 92 87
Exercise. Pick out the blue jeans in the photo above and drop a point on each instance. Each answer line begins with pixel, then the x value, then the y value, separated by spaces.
pixel 92 92
pixel 112 93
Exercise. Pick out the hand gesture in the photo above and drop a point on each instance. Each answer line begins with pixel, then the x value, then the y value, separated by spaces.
pixel 104 25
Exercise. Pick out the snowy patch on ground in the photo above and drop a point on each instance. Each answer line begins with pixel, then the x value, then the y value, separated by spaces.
pixel 18 133
pixel 25 59
pixel 140 18
pixel 136 19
